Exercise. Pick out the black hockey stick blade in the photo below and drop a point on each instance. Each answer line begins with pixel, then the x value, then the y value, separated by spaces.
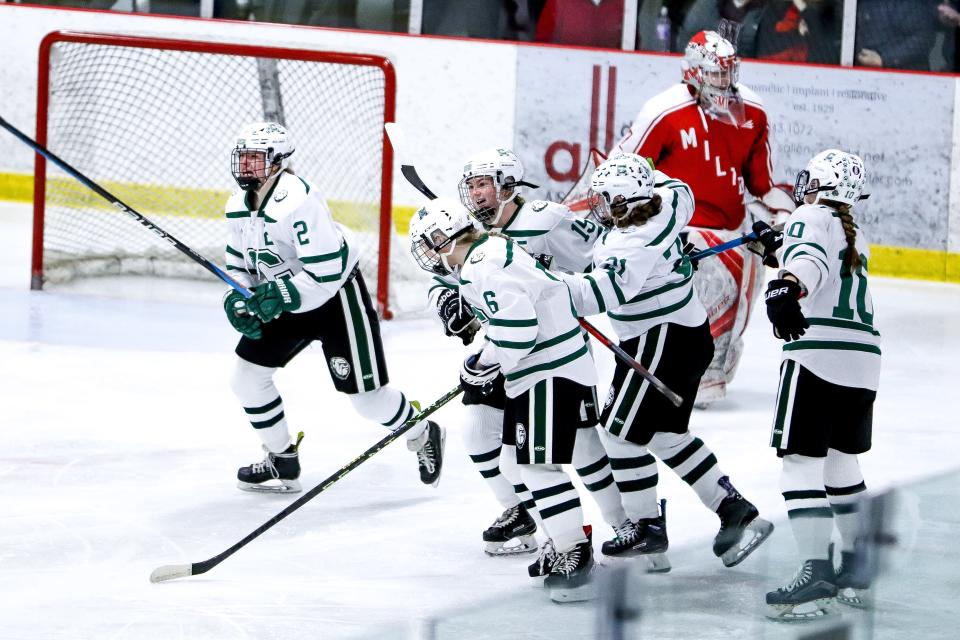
pixel 399 142
pixel 130 211
pixel 169 572
pixel 410 173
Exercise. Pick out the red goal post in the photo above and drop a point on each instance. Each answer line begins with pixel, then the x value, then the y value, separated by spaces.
pixel 152 120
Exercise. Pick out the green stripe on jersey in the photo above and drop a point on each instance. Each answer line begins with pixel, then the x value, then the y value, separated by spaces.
pixel 546 366
pixel 670 225
pixel 652 314
pixel 563 337
pixel 831 345
pixel 842 324
pixel 792 247
pixel 495 322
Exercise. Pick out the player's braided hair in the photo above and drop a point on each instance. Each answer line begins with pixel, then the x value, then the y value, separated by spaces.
pixel 638 216
pixel 851 258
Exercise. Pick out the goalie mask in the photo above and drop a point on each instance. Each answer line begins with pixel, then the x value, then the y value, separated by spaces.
pixel 619 184
pixel 491 180
pixel 261 151
pixel 434 230
pixel 711 66
pixel 832 175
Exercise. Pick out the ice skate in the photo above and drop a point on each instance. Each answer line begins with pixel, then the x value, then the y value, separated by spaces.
pixel 277 473
pixel 541 567
pixel 853 585
pixel 511 533
pixel 429 448
pixel 646 537
pixel 570 577
pixel 741 528
pixel 807 597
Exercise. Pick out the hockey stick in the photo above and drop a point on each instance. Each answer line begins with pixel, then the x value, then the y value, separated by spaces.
pixel 632 363
pixel 115 201
pixel 174 571
pixel 395 133
pixel 697 256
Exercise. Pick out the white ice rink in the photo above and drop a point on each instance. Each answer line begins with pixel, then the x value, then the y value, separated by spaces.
pixel 121 440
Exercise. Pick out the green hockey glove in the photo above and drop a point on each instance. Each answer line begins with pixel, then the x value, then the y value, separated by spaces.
pixel 236 307
pixel 272 298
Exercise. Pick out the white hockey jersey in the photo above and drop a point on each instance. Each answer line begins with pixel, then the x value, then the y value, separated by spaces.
pixel 842 345
pixel 552 230
pixel 530 326
pixel 292 234
pixel 636 279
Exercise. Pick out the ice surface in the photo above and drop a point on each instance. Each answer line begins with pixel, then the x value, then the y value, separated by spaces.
pixel 121 439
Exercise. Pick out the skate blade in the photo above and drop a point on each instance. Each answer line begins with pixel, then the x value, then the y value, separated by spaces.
pixel 512 547
pixel 819 609
pixel 285 486
pixel 857 598
pixel 758 530
pixel 653 562
pixel 586 590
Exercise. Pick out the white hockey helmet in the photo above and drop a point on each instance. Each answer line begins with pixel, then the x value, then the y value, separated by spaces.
pixel 505 169
pixel 265 148
pixel 711 66
pixel 832 175
pixel 434 230
pixel 618 184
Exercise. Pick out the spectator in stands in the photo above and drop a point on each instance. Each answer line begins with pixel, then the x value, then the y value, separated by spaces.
pixel 895 34
pixel 705 15
pixel 949 15
pixel 794 31
pixel 591 23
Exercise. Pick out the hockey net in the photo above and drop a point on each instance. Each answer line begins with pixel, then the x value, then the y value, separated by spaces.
pixel 153 122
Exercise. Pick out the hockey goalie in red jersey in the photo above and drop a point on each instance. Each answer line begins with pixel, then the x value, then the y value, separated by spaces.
pixel 711 132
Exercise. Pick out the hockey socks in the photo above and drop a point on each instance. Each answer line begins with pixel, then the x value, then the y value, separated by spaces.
pixel 593 467
pixel 254 388
pixel 693 461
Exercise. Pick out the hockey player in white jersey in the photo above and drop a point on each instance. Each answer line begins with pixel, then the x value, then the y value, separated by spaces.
pixel 535 342
pixel 820 305
pixel 490 190
pixel 303 268
pixel 659 320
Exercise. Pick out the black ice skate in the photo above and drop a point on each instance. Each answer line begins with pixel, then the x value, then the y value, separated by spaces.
pixel 646 537
pixel 570 579
pixel 511 533
pixel 741 530
pixel 282 467
pixel 541 567
pixel 429 447
pixel 853 581
pixel 807 597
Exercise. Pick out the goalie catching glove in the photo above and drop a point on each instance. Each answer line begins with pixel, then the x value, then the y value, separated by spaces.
pixel 783 309
pixel 236 307
pixel 766 244
pixel 458 319
pixel 272 298
pixel 476 378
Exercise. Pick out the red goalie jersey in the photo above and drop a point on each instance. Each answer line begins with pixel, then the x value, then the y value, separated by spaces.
pixel 716 158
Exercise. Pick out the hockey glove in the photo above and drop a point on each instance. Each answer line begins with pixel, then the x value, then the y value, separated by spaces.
pixel 766 244
pixel 477 379
pixel 457 317
pixel 783 309
pixel 236 307
pixel 272 298
pixel 687 250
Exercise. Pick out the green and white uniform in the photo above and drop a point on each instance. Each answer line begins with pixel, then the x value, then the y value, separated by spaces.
pixel 292 234
pixel 554 234
pixel 531 329
pixel 842 345
pixel 634 279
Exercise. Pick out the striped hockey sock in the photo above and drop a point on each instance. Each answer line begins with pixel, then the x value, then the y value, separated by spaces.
pixel 693 461
pixel 593 467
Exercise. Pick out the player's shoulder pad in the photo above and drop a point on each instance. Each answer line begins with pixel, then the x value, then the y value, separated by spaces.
pixel 289 195
pixel 236 201
pixel 813 215
pixel 668 100
pixel 489 253
pixel 551 210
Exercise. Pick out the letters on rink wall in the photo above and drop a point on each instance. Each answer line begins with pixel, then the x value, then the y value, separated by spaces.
pixel 552 104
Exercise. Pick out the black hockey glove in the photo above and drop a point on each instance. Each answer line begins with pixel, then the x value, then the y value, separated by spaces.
pixel 688 249
pixel 783 309
pixel 236 307
pixel 766 244
pixel 458 319
pixel 476 379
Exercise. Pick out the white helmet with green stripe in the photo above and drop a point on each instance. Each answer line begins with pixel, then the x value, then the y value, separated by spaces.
pixel 434 230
